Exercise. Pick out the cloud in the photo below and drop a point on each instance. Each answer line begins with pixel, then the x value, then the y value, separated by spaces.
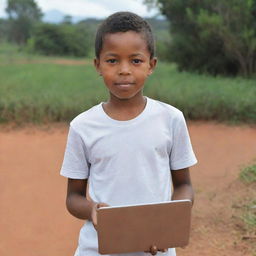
pixel 89 8
pixel 136 6
pixel 74 8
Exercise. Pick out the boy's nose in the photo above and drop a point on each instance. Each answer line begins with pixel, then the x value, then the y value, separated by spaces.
pixel 124 69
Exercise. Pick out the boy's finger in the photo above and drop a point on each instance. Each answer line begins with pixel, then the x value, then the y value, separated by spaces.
pixel 153 250
pixel 102 205
pixel 163 250
pixel 94 215
pixel 96 206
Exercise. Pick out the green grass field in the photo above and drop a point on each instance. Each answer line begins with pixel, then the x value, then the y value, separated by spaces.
pixel 45 92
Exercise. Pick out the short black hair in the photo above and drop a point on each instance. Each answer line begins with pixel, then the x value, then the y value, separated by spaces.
pixel 123 22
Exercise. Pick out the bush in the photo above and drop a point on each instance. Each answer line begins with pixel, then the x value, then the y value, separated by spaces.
pixel 64 39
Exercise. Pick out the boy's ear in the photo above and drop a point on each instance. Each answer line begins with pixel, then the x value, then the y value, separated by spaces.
pixel 97 65
pixel 152 65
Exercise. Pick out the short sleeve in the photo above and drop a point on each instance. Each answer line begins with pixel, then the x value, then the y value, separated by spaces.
pixel 182 154
pixel 75 164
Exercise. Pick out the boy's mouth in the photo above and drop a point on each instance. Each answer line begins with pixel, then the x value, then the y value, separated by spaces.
pixel 124 84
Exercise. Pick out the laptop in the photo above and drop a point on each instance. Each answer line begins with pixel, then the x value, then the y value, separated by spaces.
pixel 135 228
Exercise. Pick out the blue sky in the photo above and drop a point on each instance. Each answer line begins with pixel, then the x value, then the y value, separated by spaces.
pixel 90 8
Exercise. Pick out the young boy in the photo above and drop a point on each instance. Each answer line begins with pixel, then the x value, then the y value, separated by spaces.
pixel 131 149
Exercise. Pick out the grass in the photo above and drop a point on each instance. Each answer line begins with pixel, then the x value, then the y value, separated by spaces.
pixel 249 217
pixel 248 174
pixel 204 97
pixel 248 209
pixel 46 92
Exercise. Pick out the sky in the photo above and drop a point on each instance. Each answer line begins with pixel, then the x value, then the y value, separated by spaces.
pixel 90 8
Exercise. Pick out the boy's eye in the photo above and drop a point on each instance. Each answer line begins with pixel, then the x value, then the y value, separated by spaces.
pixel 111 61
pixel 136 61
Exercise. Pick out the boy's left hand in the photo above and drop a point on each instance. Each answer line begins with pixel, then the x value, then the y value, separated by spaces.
pixel 95 207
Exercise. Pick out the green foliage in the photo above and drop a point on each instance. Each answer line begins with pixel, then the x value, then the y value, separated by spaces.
pixel 162 48
pixel 163 39
pixel 202 97
pixel 160 30
pixel 23 14
pixel 218 37
pixel 67 20
pixel 43 92
pixel 248 174
pixel 232 21
pixel 249 216
pixel 10 52
pixel 3 30
pixel 63 39
pixel 80 36
pixel 23 8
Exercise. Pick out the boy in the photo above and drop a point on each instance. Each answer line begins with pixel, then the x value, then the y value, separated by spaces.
pixel 132 149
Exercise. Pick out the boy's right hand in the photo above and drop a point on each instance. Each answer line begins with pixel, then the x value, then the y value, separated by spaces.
pixel 153 250
pixel 95 207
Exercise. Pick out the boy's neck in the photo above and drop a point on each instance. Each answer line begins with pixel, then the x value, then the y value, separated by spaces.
pixel 124 109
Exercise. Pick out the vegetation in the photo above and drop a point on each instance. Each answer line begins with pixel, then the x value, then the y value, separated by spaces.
pixel 248 174
pixel 23 14
pixel 214 37
pixel 65 38
pixel 217 37
pixel 247 209
pixel 249 216
pixel 61 39
pixel 32 91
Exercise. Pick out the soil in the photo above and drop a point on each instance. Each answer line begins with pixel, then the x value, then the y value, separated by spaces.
pixel 35 222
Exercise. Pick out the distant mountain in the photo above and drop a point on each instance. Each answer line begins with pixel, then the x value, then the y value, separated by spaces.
pixel 55 16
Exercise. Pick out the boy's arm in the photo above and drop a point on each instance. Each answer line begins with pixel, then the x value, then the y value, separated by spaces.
pixel 182 187
pixel 77 203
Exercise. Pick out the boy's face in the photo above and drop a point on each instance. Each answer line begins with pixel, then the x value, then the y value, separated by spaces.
pixel 125 64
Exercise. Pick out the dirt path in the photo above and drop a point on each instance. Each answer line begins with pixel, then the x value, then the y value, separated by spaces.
pixel 34 221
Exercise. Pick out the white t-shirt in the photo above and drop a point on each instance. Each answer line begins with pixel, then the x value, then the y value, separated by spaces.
pixel 126 162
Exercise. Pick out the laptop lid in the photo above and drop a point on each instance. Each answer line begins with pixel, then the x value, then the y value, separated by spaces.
pixel 136 228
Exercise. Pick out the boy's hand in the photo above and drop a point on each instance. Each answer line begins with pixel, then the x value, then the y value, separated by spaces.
pixel 153 250
pixel 95 207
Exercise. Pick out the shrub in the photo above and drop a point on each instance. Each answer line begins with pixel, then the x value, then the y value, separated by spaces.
pixel 64 39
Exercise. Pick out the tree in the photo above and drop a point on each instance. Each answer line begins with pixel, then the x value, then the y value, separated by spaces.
pixel 214 36
pixel 232 21
pixel 67 20
pixel 3 30
pixel 62 39
pixel 23 14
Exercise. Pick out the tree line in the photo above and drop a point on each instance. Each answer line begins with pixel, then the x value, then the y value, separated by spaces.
pixel 25 27
pixel 213 36
pixel 205 36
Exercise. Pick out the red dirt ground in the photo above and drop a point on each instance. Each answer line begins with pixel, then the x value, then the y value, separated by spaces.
pixel 34 221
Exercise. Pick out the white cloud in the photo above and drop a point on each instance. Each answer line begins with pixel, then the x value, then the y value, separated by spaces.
pixel 89 8
pixel 128 5
pixel 74 8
